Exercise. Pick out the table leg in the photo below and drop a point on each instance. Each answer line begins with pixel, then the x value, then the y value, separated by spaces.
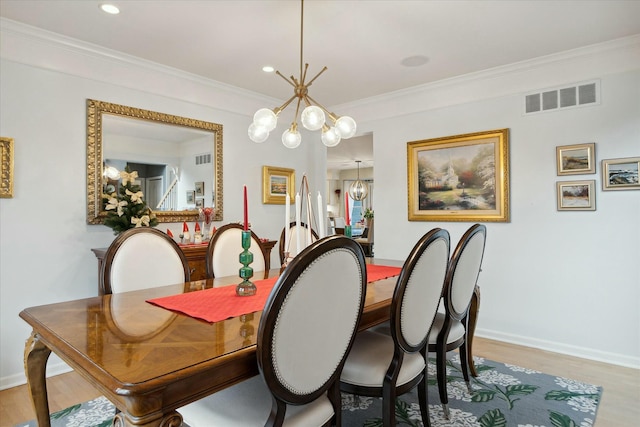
pixel 473 317
pixel 172 419
pixel 36 355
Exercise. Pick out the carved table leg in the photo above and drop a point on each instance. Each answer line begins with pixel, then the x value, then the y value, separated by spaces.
pixel 36 355
pixel 172 419
pixel 473 317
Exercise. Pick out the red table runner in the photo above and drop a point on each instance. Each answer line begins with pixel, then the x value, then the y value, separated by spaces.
pixel 216 304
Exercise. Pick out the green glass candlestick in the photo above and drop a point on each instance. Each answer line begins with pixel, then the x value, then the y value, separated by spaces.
pixel 347 230
pixel 246 287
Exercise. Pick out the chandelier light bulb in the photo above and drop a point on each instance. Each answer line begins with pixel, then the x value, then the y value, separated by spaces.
pixel 312 117
pixel 291 138
pixel 331 137
pixel 346 127
pixel 258 133
pixel 267 118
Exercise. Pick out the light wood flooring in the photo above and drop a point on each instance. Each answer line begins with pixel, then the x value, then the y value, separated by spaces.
pixel 620 406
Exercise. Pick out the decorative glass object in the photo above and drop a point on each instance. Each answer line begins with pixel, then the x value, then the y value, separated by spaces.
pixel 246 287
pixel 347 230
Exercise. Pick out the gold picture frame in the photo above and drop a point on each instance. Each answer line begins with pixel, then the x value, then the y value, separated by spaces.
pixel 578 159
pixel 276 184
pixel 621 174
pixel 576 195
pixel 459 178
pixel 6 167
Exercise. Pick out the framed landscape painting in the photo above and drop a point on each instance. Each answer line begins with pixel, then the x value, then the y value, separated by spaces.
pixel 459 178
pixel 576 159
pixel 276 184
pixel 620 174
pixel 576 195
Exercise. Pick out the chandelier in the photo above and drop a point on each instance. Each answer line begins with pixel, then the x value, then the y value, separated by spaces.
pixel 358 190
pixel 312 117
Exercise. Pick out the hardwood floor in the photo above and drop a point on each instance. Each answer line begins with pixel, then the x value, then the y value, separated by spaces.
pixel 620 406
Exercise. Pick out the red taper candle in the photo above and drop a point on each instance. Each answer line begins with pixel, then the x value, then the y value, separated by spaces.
pixel 246 212
pixel 346 207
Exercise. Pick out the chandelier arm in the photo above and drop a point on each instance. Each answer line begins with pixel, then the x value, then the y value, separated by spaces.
pixel 303 76
pixel 291 82
pixel 330 114
pixel 317 75
pixel 285 105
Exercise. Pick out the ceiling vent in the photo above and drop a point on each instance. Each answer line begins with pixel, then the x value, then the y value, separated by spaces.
pixel 203 159
pixel 578 95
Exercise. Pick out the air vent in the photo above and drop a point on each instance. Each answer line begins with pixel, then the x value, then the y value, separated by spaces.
pixel 578 95
pixel 203 159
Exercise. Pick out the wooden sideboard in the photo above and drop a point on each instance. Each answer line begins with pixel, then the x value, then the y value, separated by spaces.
pixel 196 257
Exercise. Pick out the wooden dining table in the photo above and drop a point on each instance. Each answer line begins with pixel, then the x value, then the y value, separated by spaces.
pixel 149 361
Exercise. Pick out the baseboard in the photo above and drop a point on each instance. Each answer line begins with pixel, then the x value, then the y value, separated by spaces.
pixel 570 350
pixel 16 380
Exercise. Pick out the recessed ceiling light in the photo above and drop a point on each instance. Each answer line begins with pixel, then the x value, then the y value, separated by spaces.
pixel 267 69
pixel 110 8
pixel 414 61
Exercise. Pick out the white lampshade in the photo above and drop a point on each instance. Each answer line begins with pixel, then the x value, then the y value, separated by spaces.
pixel 312 117
pixel 258 133
pixel 291 138
pixel 330 137
pixel 346 127
pixel 266 118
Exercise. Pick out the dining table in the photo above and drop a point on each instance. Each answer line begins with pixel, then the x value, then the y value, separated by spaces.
pixel 148 360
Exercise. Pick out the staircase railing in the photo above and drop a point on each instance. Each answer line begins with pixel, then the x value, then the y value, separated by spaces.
pixel 169 201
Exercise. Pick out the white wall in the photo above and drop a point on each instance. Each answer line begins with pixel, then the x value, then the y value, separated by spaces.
pixel 564 281
pixel 45 242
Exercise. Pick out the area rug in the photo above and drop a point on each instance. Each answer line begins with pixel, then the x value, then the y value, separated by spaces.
pixel 503 395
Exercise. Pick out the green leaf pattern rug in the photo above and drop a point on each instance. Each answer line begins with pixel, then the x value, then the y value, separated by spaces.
pixel 504 396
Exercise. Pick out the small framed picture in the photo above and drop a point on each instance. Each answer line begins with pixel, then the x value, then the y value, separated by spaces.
pixel 576 159
pixel 276 184
pixel 620 174
pixel 199 188
pixel 200 203
pixel 191 196
pixel 576 195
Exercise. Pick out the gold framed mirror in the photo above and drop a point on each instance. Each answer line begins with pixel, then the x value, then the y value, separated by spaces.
pixel 172 155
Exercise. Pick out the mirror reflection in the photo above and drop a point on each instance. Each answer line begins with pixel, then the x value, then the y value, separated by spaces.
pixel 178 160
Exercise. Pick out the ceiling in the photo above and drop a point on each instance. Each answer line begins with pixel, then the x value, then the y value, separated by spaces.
pixel 371 47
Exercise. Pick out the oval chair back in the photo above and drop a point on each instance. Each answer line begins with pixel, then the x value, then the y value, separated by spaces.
pixel 141 258
pixel 224 250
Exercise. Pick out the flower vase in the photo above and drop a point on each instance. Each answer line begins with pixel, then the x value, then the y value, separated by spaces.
pixel 246 287
pixel 206 231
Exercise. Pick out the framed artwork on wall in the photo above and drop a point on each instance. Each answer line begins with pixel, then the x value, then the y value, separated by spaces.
pixel 276 184
pixel 620 174
pixel 199 188
pixel 459 178
pixel 576 195
pixel 576 159
pixel 191 197
pixel 6 167
pixel 200 202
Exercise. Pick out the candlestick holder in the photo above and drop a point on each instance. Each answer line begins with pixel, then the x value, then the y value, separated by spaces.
pixel 246 287
pixel 347 230
pixel 285 262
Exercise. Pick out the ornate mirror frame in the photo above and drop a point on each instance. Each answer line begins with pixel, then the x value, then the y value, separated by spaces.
pixel 95 160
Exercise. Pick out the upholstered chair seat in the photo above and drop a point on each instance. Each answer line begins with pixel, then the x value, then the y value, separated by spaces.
pixel 293 236
pixel 249 404
pixel 370 358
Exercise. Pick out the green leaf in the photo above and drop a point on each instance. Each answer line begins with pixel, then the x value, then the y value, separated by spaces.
pixel 482 395
pixel 520 389
pixel 493 418
pixel 561 420
pixel 65 412
pixel 561 395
